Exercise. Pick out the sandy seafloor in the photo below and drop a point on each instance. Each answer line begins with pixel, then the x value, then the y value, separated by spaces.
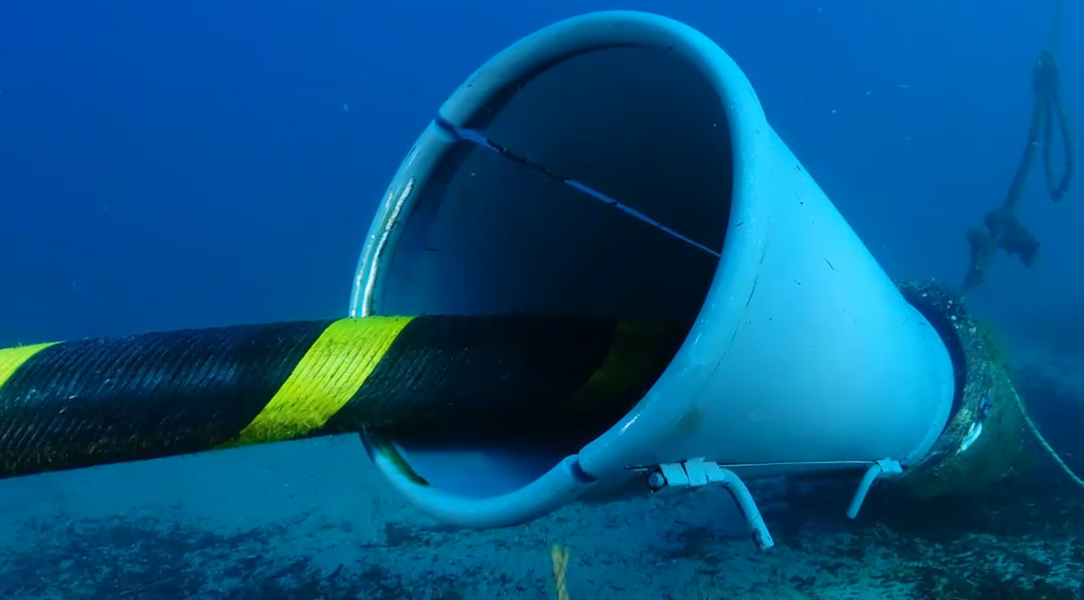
pixel 313 520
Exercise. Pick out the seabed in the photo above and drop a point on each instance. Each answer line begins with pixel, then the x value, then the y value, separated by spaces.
pixel 313 520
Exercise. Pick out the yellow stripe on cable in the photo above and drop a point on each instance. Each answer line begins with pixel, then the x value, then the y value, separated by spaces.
pixel 327 377
pixel 13 358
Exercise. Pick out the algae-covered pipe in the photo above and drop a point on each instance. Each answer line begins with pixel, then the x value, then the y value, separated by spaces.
pixel 96 401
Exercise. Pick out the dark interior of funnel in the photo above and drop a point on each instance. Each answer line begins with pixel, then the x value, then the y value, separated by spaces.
pixel 611 200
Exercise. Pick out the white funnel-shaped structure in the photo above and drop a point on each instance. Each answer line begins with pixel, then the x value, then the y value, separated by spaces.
pixel 620 164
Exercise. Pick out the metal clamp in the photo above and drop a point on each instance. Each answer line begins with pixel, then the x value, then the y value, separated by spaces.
pixel 698 472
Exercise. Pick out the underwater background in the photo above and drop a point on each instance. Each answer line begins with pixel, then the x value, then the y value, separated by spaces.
pixel 189 164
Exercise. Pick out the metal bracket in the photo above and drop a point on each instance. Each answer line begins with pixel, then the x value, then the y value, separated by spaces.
pixel 698 472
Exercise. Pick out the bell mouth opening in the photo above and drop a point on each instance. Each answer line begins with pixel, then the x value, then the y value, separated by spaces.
pixel 594 192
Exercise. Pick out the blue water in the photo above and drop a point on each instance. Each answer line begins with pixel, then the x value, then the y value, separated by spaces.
pixel 179 164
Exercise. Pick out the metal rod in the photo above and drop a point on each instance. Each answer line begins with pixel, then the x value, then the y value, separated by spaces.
pixel 480 140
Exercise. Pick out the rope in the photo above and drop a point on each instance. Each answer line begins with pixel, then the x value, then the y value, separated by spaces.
pixel 1046 445
pixel 1000 229
pixel 1055 29
pixel 559 558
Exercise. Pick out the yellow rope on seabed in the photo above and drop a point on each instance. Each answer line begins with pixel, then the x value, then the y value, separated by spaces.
pixel 559 558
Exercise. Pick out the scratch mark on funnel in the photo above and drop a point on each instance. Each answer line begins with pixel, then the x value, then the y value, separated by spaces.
pixel 752 290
